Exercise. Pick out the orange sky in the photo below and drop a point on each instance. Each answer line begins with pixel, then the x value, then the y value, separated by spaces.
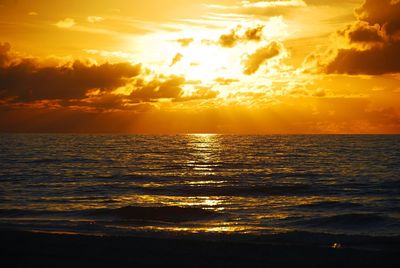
pixel 200 66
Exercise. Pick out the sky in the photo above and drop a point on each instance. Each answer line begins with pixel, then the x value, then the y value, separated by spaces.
pixel 200 66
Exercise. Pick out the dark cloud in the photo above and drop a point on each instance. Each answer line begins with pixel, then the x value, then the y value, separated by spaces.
pixel 253 62
pixel 72 121
pixel 4 53
pixel 158 88
pixel 103 101
pixel 363 33
pixel 25 80
pixel 373 42
pixel 169 87
pixel 386 13
pixel 374 61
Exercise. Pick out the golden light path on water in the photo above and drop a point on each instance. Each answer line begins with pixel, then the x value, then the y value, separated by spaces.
pixel 205 150
pixel 205 147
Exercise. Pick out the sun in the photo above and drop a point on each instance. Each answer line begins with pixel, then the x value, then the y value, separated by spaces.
pixel 202 60
pixel 204 63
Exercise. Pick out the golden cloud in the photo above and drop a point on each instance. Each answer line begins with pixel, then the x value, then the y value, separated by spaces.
pixel 225 81
pixel 184 42
pixel 253 61
pixel 178 57
pixel 228 40
pixel 238 35
pixel 66 23
pixel 94 19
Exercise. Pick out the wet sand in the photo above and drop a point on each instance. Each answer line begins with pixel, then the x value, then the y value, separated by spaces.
pixel 25 249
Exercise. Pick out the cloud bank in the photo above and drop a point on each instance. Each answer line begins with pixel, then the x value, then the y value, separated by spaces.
pixel 81 85
pixel 372 44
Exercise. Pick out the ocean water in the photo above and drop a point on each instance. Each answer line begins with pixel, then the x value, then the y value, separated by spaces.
pixel 202 184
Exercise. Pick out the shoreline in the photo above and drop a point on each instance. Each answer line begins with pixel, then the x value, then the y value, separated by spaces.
pixel 33 249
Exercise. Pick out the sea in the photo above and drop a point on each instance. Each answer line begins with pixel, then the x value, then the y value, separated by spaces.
pixel 202 184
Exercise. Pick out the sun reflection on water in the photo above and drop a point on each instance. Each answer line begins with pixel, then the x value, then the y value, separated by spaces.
pixel 220 228
pixel 204 149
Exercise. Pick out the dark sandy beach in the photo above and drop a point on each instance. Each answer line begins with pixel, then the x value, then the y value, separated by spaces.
pixel 25 249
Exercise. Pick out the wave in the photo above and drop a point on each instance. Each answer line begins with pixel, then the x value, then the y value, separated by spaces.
pixel 45 161
pixel 16 213
pixel 174 214
pixel 352 220
pixel 391 184
pixel 167 213
pixel 13 212
pixel 236 190
pixel 79 160
pixel 331 205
